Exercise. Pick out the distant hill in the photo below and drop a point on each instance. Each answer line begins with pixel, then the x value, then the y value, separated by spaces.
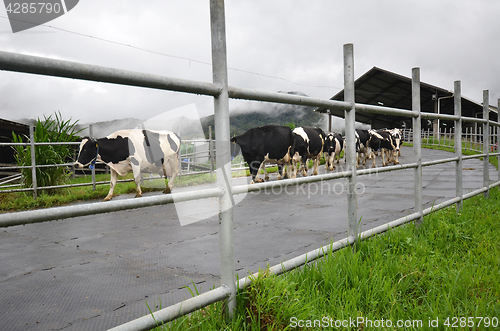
pixel 259 114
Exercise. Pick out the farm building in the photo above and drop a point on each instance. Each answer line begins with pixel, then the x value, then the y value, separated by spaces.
pixel 384 88
pixel 6 129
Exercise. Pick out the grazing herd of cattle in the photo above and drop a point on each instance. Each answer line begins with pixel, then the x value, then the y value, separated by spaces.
pixel 157 151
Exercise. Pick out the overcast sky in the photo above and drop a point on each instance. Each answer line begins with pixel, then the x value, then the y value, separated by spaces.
pixel 299 42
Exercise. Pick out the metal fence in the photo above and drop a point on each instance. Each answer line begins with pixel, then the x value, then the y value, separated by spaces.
pixel 188 164
pixel 221 92
pixel 472 138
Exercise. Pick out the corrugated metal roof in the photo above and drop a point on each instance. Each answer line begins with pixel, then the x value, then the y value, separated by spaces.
pixel 381 87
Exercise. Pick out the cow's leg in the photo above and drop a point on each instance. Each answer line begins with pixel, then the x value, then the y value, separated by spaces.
pixel 253 170
pixel 280 171
pixel 382 152
pixel 137 179
pixel 374 158
pixel 294 168
pixel 390 157
pixel 112 184
pixel 174 165
pixel 303 166
pixel 316 165
pixel 395 158
pixel 332 161
pixel 266 175
pixel 326 161
pixel 257 179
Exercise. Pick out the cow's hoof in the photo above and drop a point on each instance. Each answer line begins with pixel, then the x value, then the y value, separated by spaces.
pixel 106 199
pixel 397 162
pixel 167 190
pixel 279 177
pixel 138 195
pixel 266 178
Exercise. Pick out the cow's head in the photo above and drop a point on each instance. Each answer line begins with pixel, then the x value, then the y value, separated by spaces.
pixel 88 152
pixel 328 144
pixel 396 137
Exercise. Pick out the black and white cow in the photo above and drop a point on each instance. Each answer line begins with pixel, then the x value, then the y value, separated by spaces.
pixel 381 140
pixel 309 144
pixel 133 150
pixel 362 147
pixel 266 144
pixel 397 139
pixel 334 144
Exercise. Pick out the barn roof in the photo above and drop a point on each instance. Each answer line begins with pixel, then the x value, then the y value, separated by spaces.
pixel 381 87
pixel 6 125
pixel 6 129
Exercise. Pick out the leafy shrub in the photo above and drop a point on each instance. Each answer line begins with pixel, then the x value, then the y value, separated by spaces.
pixel 50 129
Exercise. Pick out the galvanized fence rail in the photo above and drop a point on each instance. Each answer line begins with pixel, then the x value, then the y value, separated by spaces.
pixel 221 92
pixel 186 159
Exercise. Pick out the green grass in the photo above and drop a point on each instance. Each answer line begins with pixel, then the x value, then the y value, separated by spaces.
pixel 24 200
pixel 432 144
pixel 448 267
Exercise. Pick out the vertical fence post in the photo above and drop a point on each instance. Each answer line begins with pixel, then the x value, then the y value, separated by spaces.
pixel 486 142
pixel 417 143
pixel 33 162
pixel 458 143
pixel 211 150
pixel 350 115
pixel 91 134
pixel 223 155
pixel 498 139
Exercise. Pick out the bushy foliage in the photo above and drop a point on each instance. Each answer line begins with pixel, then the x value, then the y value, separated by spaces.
pixel 51 129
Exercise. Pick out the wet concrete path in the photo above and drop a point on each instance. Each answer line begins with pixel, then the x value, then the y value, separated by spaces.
pixel 96 272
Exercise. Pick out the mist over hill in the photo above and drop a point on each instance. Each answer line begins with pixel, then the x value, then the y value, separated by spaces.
pixel 254 114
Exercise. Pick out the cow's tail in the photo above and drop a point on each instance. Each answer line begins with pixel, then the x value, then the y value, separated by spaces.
pixel 173 144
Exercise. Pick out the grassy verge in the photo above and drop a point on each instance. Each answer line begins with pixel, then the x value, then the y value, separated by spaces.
pixel 24 200
pixel 448 267
pixel 492 159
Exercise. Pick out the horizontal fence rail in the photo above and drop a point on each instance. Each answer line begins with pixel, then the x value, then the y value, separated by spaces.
pixel 190 165
pixel 221 93
pixel 66 69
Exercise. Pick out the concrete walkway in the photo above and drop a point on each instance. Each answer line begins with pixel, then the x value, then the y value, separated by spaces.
pixel 96 272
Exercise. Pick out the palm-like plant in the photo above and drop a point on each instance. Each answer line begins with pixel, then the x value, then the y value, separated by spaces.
pixel 50 129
